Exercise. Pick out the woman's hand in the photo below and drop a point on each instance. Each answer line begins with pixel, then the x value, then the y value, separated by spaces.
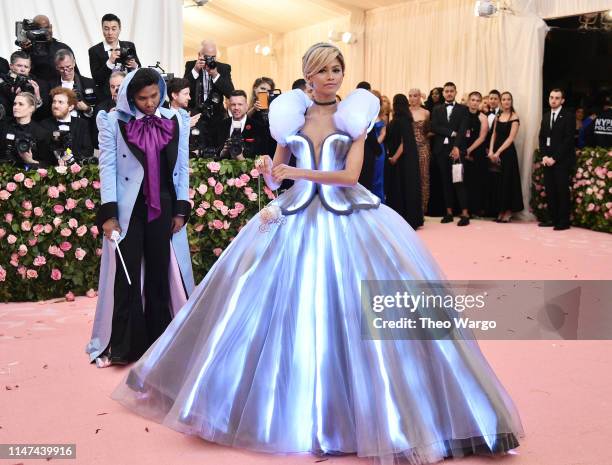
pixel 392 160
pixel 109 226
pixel 177 223
pixel 28 158
pixel 282 172
pixel 264 165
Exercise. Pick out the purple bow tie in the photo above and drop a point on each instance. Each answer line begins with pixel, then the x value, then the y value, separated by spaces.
pixel 151 134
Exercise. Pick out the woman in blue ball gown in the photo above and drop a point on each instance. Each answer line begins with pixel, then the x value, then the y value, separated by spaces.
pixel 268 352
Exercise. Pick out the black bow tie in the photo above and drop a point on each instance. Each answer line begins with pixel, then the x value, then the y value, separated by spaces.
pixel 450 104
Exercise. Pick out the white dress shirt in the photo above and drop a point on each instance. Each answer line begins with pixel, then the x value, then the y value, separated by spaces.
pixel 205 80
pixel 238 124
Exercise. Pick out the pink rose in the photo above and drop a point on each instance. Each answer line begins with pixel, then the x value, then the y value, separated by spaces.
pixel 53 192
pixel 205 205
pixel 254 173
pixel 2 274
pixel 219 188
pixel 252 197
pixel 81 230
pixel 84 182
pixel 217 224
pixel 212 182
pixel 217 204
pixel 224 210
pixel 4 195
pixel 245 178
pixel 226 224
pixel 11 239
pixel 74 168
pixel 248 190
pixel 65 246
pixel 56 274
pixel 269 193
pixel 200 212
pixel 90 204
pixel 42 172
pixel 38 228
pixel 79 253
pixel 27 213
pixel 73 223
pixel 53 249
pixel 217 251
pixel 202 189
pixel 199 227
pixel 32 274
pixel 233 213
pixel 70 297
pixel 2 232
pixel 94 231
pixel 26 205
pixel 192 193
pixel 48 228
pixel 22 250
pixel 22 271
pixel 29 183
pixel 19 177
pixel 58 209
pixel 57 221
pixel 591 207
pixel 65 232
pixel 238 183
pixel 26 225
pixel 239 206
pixel 96 184
pixel 213 166
pixel 39 261
pixel 32 242
pixel 231 182
pixel 98 252
pixel 70 204
pixel 90 293
pixel 76 185
pixel 11 187
pixel 38 211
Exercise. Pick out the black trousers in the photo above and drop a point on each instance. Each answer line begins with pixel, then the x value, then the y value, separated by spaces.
pixel 137 324
pixel 445 167
pixel 556 185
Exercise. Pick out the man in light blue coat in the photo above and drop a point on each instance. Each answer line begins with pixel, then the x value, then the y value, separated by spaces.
pixel 144 174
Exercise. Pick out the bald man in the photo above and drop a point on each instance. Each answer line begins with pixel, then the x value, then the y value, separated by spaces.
pixel 43 64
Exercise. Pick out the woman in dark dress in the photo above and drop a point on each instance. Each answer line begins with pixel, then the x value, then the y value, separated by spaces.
pixel 475 161
pixel 402 175
pixel 503 153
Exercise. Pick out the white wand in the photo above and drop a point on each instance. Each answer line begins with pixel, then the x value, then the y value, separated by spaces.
pixel 114 237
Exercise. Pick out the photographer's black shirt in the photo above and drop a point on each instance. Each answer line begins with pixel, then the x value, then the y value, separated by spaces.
pixel 11 131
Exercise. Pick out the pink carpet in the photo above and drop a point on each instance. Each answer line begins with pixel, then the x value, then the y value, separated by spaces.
pixel 49 393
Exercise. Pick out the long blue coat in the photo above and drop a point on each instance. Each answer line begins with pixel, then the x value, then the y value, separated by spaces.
pixel 121 175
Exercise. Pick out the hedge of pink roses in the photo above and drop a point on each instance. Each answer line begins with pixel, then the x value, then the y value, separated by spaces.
pixel 50 245
pixel 591 190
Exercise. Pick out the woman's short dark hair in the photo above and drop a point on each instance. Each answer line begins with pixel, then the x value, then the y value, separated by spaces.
pixel 142 78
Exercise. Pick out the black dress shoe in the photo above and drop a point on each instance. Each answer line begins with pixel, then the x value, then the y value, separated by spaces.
pixel 464 221
pixel 561 227
pixel 545 224
pixel 447 219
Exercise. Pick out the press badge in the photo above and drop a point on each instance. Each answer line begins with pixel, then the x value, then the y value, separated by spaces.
pixel 548 142
pixel 446 141
pixel 10 136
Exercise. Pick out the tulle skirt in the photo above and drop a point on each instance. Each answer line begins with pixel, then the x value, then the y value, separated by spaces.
pixel 268 354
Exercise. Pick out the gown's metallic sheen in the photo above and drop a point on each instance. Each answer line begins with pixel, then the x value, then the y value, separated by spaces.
pixel 267 354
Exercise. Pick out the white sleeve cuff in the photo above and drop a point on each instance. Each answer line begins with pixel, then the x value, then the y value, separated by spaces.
pixel 109 65
pixel 216 78
pixel 194 73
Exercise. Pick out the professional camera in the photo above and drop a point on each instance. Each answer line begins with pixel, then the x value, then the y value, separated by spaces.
pixel 234 146
pixel 88 96
pixel 165 76
pixel 211 62
pixel 12 82
pixel 126 54
pixel 18 142
pixel 28 30
pixel 61 144
pixel 24 143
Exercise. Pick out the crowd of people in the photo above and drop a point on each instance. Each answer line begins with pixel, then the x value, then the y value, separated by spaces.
pixel 426 154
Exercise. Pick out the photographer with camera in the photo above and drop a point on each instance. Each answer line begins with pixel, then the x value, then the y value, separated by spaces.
pixel 240 136
pixel 18 79
pixel 264 92
pixel 23 141
pixel 111 54
pixel 70 138
pixel 209 81
pixel 37 40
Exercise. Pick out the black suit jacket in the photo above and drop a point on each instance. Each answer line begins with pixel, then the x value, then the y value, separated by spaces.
pixel 254 135
pixel 442 127
pixel 42 151
pixel 4 65
pixel 79 132
pixel 223 87
pixel 561 136
pixel 97 64
pixel 43 66
pixel 82 84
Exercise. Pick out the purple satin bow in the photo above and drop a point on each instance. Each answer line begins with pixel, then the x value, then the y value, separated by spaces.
pixel 151 134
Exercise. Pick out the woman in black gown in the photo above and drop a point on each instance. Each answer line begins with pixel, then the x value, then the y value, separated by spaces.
pixel 503 152
pixel 402 175
pixel 475 161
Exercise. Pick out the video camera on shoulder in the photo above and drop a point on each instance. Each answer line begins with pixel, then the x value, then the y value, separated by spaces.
pixel 28 31
pixel 11 82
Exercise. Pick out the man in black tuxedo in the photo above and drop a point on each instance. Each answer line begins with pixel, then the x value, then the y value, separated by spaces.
pixel 42 56
pixel 105 57
pixel 449 123
pixel 67 132
pixel 4 65
pixel 251 137
pixel 20 65
pixel 209 82
pixel 558 157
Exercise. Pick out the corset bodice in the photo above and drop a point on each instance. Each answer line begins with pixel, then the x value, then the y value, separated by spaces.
pixel 332 157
